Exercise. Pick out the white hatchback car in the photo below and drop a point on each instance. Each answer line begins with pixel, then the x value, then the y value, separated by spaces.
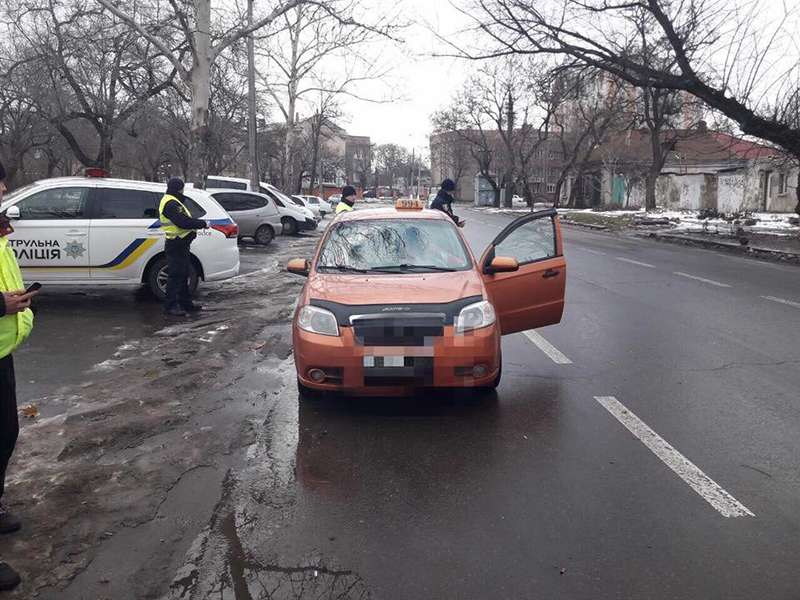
pixel 294 218
pixel 324 208
pixel 98 231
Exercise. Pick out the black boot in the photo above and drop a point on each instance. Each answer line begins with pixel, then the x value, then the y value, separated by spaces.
pixel 8 522
pixel 9 579
pixel 174 311
pixel 193 308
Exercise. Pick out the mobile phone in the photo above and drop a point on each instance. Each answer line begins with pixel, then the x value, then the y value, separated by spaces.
pixel 34 287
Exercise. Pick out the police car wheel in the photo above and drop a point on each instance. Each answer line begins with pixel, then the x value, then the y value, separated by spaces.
pixel 157 279
pixel 264 235
pixel 289 226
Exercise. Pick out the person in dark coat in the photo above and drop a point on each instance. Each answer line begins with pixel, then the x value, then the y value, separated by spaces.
pixel 180 230
pixel 444 201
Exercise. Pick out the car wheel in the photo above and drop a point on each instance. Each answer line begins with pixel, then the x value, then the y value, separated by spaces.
pixel 289 226
pixel 307 393
pixel 157 279
pixel 264 235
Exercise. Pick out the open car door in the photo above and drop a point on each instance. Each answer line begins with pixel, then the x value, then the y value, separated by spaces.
pixel 525 272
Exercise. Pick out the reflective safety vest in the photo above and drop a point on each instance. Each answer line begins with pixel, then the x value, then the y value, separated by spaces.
pixel 170 229
pixel 343 207
pixel 14 329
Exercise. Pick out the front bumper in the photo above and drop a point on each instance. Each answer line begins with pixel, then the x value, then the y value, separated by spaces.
pixel 308 225
pixel 448 361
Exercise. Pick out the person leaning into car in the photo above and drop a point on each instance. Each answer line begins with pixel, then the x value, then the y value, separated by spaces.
pixel 180 230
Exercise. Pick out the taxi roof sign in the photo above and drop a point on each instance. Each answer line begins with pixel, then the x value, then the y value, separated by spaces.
pixel 409 204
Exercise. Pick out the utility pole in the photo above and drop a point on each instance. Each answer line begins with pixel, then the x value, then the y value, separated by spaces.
pixel 252 121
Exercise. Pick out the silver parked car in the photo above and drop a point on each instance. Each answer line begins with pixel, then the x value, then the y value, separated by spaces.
pixel 255 214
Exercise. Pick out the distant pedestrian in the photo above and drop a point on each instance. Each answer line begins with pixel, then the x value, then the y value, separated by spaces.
pixel 444 201
pixel 348 199
pixel 16 322
pixel 180 229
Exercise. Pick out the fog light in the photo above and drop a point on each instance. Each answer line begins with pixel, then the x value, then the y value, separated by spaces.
pixel 479 371
pixel 316 375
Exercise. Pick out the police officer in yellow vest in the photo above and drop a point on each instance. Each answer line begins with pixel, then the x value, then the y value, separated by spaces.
pixel 348 199
pixel 16 322
pixel 180 229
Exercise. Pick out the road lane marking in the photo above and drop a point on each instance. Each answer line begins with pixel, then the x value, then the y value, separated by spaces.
pixel 594 252
pixel 703 279
pixel 782 301
pixel 707 488
pixel 554 353
pixel 636 262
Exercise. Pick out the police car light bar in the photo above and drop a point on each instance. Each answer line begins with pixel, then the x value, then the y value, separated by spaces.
pixel 96 172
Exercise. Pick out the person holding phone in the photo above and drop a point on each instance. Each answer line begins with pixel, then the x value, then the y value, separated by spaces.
pixel 16 322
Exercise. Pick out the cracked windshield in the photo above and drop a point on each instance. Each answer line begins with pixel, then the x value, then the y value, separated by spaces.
pixel 399 300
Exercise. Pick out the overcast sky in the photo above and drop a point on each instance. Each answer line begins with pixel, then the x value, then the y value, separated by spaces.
pixel 424 83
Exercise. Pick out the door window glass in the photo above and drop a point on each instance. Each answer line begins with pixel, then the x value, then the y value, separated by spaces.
pixel 193 207
pixel 253 202
pixel 127 204
pixel 535 240
pixel 55 203
pixel 230 202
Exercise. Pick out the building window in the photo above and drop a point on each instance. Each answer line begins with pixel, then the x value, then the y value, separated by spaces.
pixel 551 188
pixel 783 183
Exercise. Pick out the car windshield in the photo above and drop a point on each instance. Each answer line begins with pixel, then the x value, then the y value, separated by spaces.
pixel 394 246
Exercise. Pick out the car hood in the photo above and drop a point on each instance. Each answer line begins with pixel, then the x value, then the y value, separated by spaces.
pixel 422 288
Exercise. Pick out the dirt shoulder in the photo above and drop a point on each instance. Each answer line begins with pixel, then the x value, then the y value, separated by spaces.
pixel 109 488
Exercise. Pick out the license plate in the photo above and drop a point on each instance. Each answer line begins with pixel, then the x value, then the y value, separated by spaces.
pixel 384 361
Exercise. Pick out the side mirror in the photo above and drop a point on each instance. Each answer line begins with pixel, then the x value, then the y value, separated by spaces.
pixel 299 266
pixel 12 212
pixel 502 264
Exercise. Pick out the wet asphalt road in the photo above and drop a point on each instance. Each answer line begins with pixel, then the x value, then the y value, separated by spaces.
pixel 539 491
pixel 78 329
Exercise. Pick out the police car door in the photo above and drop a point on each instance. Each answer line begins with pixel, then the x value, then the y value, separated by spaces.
pixel 51 234
pixel 125 232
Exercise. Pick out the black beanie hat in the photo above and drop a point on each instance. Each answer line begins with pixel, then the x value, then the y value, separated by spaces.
pixel 175 185
pixel 448 185
pixel 2 172
pixel 348 190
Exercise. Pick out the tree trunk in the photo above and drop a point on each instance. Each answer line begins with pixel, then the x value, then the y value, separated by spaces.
pixel 201 92
pixel 797 192
pixel 650 188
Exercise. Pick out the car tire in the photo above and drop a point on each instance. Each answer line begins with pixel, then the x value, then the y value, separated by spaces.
pixel 289 226
pixel 307 393
pixel 264 235
pixel 156 279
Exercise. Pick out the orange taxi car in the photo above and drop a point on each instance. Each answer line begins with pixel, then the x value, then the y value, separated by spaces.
pixel 395 301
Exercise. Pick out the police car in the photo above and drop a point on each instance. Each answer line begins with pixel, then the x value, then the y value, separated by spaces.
pixel 99 231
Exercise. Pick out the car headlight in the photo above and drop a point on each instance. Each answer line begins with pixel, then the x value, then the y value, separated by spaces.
pixel 317 320
pixel 475 316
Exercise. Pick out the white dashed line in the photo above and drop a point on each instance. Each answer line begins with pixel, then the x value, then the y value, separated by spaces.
pixel 782 301
pixel 594 252
pixel 703 279
pixel 707 488
pixel 554 353
pixel 636 262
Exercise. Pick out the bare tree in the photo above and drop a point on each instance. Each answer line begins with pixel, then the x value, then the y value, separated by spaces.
pixel 391 160
pixel 98 72
pixel 200 47
pixel 296 64
pixel 725 54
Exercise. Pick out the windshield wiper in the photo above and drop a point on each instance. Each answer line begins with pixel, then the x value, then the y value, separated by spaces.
pixel 341 268
pixel 408 267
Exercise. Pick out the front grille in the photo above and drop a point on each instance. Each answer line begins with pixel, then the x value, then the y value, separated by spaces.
pixel 397 330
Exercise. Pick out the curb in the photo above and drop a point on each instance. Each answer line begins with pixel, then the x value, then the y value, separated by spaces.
pixel 756 251
pixel 586 225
